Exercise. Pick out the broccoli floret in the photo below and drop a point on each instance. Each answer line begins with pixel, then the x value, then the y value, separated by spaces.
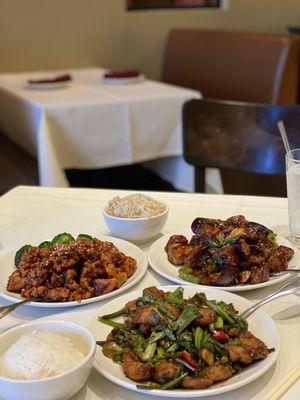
pixel 83 235
pixel 45 244
pixel 19 254
pixel 63 238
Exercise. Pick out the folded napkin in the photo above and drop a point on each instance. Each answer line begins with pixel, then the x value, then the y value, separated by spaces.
pixel 57 79
pixel 122 74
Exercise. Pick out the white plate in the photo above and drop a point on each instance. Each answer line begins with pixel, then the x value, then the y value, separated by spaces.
pixel 260 324
pixel 158 260
pixel 7 267
pixel 47 86
pixel 123 81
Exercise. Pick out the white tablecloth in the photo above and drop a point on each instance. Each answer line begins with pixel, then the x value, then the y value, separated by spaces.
pixel 34 214
pixel 93 125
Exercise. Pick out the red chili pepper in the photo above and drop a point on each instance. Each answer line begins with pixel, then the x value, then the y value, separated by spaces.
pixel 220 336
pixel 189 359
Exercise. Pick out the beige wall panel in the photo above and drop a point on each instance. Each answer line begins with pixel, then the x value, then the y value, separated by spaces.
pixel 50 34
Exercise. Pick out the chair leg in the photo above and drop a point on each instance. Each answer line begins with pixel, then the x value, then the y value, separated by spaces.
pixel 199 180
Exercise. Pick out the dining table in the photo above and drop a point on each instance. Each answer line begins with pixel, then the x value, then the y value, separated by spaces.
pixel 32 214
pixel 89 123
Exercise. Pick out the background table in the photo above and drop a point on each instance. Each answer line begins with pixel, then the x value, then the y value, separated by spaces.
pixel 94 125
pixel 36 214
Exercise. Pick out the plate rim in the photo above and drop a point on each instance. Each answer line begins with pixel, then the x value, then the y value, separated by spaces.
pixel 196 392
pixel 123 81
pixel 234 288
pixel 143 269
pixel 47 85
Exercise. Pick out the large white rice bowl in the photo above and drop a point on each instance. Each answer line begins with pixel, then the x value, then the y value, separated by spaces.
pixel 54 364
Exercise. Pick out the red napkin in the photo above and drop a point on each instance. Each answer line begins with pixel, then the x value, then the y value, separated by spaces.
pixel 60 78
pixel 122 74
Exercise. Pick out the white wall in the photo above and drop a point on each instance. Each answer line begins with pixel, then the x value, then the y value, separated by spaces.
pixel 49 34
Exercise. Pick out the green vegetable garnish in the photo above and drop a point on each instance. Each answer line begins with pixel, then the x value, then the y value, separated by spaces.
pixel 176 297
pixel 19 254
pixel 184 273
pixel 167 386
pixel 271 237
pixel 149 352
pixel 198 336
pixel 219 324
pixel 115 314
pixel 63 238
pixel 84 235
pixel 189 313
pixel 46 244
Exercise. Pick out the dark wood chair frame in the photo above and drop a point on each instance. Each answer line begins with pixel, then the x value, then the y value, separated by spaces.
pixel 237 136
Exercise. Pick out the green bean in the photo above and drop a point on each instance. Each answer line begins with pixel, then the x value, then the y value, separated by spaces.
pixel 115 314
pixel 212 327
pixel 186 276
pixel 172 348
pixel 233 343
pixel 174 383
pixel 220 310
pixel 109 322
pixel 149 352
pixel 208 345
pixel 151 386
pixel 156 337
pixel 160 352
pixel 167 386
pixel 219 323
pixel 224 359
pixel 176 297
pixel 165 310
pixel 198 336
pixel 189 313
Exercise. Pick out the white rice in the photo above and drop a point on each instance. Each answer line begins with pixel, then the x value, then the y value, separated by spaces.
pixel 134 206
pixel 39 354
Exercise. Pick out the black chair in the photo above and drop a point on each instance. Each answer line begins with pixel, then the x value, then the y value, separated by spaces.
pixel 242 140
pixel 16 166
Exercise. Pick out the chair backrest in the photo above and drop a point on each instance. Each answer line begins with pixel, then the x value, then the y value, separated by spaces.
pixel 231 65
pixel 238 136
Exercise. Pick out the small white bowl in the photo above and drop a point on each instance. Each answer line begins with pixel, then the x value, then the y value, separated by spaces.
pixel 136 230
pixel 60 387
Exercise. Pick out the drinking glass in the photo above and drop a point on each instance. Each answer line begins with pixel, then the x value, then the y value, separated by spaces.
pixel 293 191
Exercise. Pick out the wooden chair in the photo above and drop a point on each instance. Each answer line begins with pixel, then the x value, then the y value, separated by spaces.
pixel 240 139
pixel 232 65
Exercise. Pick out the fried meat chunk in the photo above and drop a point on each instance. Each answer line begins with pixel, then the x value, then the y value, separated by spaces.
pixel 145 317
pixel 261 351
pixel 154 292
pixel 195 382
pixel 165 371
pixel 206 316
pixel 240 353
pixel 177 249
pixel 279 258
pixel 219 372
pixel 260 274
pixel 133 368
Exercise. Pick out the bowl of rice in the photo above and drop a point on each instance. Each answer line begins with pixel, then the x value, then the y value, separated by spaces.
pixel 45 360
pixel 136 217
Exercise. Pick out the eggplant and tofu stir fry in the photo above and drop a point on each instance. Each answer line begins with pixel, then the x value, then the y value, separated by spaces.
pixel 167 342
pixel 226 253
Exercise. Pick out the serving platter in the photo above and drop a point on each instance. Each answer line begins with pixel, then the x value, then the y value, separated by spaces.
pixel 159 262
pixel 260 324
pixel 7 267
